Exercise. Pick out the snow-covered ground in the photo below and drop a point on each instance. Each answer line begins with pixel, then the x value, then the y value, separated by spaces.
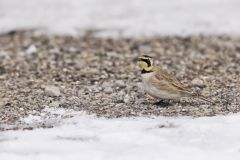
pixel 130 17
pixel 87 137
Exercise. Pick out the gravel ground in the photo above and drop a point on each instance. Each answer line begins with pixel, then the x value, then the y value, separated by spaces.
pixel 100 75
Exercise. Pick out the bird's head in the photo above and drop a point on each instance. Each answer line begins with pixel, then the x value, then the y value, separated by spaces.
pixel 145 62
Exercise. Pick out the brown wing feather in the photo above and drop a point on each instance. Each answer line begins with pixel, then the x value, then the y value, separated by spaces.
pixel 165 81
pixel 164 76
pixel 163 85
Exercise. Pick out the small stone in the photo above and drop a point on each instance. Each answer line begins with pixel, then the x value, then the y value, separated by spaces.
pixel 52 91
pixel 54 104
pixel 93 88
pixel 4 76
pixel 31 49
pixel 106 84
pixel 126 99
pixel 120 83
pixel 140 87
pixel 79 64
pixel 198 82
pixel 108 90
pixel 72 49
pixel 121 93
pixel 145 48
pixel 3 55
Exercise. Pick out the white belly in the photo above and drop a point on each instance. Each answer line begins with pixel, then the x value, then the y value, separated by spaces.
pixel 154 91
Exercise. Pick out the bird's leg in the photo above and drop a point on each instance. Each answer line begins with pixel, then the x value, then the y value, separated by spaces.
pixel 159 102
pixel 163 103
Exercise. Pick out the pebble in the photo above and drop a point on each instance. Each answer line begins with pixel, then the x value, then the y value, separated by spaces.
pixel 140 88
pixel 2 77
pixel 79 64
pixel 93 88
pixel 52 91
pixel 120 83
pixel 198 82
pixel 54 104
pixel 31 49
pixel 126 99
pixel 106 84
pixel 3 54
pixel 108 90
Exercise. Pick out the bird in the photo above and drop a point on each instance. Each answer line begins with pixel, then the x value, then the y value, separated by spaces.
pixel 160 84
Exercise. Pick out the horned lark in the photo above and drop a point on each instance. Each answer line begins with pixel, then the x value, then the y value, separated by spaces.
pixel 158 83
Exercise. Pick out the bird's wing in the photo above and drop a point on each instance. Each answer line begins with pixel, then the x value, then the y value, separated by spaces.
pixel 164 79
pixel 164 76
pixel 162 85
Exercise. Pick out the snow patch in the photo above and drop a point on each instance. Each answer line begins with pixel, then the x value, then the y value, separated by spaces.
pixel 122 17
pixel 87 137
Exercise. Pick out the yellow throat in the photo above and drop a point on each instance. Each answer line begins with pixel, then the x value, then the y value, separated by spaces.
pixel 144 65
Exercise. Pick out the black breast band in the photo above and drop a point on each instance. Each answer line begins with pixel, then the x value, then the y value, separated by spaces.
pixel 145 71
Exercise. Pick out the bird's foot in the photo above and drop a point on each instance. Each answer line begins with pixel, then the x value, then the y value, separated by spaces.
pixel 163 103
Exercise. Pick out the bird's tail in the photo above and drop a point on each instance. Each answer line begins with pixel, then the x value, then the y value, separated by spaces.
pixel 194 95
pixel 205 99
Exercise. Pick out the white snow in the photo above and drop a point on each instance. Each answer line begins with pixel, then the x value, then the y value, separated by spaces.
pixel 87 137
pixel 125 17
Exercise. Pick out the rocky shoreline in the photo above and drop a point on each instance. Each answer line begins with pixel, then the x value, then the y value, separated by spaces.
pixel 100 75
